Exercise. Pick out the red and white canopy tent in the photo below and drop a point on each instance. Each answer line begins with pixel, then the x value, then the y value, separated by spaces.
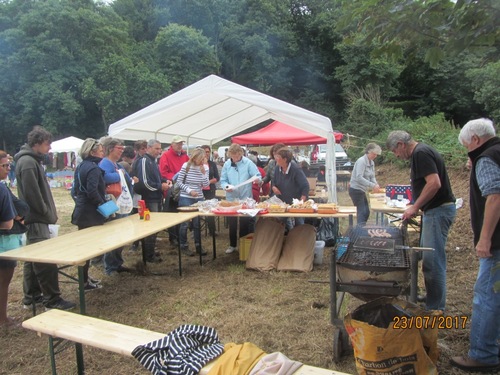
pixel 278 132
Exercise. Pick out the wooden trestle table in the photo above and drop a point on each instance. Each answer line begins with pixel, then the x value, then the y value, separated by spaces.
pixel 75 248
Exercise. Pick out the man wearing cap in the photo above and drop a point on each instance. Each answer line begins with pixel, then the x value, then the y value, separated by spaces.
pixel 171 162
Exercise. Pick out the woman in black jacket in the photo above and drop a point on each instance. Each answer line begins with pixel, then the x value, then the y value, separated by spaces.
pixel 89 191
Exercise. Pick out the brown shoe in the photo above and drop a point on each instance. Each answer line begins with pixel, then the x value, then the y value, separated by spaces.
pixel 471 365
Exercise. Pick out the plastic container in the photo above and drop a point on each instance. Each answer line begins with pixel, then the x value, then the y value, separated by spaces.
pixel 319 248
pixel 245 243
pixel 54 230
pixel 141 208
pixel 147 215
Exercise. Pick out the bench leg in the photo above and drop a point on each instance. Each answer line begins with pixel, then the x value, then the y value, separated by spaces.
pixel 79 359
pixel 52 356
pixel 53 343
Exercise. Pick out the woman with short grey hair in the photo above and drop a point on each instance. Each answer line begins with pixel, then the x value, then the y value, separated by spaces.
pixel 362 180
pixel 88 192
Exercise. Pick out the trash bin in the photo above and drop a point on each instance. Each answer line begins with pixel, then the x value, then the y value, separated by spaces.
pixel 319 248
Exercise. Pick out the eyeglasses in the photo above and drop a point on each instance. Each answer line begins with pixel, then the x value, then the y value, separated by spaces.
pixel 7 165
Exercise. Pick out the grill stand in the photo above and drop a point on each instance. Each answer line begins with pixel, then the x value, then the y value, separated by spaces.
pixel 341 343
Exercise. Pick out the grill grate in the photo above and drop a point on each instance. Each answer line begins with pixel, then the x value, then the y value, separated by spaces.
pixel 375 259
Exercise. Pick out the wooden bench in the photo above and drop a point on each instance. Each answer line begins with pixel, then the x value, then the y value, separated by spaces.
pixel 114 337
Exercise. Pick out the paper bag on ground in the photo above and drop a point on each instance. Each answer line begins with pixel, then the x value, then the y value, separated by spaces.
pixel 382 346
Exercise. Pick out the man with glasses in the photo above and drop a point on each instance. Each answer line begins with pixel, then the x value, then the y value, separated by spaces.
pixel 433 196
pixel 41 280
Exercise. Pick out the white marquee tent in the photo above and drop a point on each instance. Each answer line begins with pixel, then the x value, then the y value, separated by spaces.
pixel 70 144
pixel 213 109
pixel 67 145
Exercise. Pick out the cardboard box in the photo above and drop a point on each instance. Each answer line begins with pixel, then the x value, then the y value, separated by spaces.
pixel 245 243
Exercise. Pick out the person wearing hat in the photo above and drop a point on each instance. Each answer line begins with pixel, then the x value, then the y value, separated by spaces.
pixel 362 180
pixel 171 162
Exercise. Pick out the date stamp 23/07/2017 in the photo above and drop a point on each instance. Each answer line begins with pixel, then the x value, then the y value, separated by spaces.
pixel 430 322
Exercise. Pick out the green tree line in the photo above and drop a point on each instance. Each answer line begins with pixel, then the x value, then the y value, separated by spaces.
pixel 76 66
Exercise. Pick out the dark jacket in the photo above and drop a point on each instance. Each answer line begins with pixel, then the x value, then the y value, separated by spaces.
pixel 33 188
pixel 292 185
pixel 213 172
pixel 22 210
pixel 150 180
pixel 88 192
pixel 491 149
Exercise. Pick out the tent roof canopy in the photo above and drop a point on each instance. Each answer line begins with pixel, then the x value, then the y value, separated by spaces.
pixel 67 145
pixel 211 110
pixel 277 132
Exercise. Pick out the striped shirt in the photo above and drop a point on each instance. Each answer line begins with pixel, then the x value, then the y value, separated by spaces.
pixel 184 351
pixel 194 181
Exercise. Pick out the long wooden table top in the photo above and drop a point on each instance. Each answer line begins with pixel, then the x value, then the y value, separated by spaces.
pixel 77 247
pixel 377 204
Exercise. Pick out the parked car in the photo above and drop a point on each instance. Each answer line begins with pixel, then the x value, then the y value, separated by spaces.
pixel 342 161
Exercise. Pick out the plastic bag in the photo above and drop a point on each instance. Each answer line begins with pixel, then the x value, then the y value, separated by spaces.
pixel 328 231
pixel 124 201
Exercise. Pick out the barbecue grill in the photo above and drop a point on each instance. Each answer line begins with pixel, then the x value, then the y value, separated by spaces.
pixel 371 262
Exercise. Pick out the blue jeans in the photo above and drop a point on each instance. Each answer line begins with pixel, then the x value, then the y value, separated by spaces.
pixel 359 199
pixel 113 260
pixel 436 223
pixel 184 201
pixel 485 321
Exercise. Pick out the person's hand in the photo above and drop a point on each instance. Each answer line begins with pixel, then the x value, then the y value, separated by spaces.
pixel 276 190
pixel 164 186
pixel 410 213
pixel 169 183
pixel 483 248
pixel 376 188
pixel 193 193
pixel 135 179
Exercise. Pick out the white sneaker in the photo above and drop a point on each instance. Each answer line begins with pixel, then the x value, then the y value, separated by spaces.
pixel 231 249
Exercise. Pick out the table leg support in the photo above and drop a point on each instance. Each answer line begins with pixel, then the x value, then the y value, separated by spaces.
pixel 214 246
pixel 179 249
pixel 81 290
pixel 414 276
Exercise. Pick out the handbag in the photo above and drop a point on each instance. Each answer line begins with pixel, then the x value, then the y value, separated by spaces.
pixel 176 188
pixel 107 209
pixel 114 189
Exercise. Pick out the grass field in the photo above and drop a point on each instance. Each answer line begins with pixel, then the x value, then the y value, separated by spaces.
pixel 277 311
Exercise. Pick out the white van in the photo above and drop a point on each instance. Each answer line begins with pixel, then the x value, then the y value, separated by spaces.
pixel 318 156
pixel 222 152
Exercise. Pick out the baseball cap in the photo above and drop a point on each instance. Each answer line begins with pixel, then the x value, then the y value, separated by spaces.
pixel 178 139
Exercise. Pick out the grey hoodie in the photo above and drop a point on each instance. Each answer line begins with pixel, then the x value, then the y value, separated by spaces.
pixel 33 188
